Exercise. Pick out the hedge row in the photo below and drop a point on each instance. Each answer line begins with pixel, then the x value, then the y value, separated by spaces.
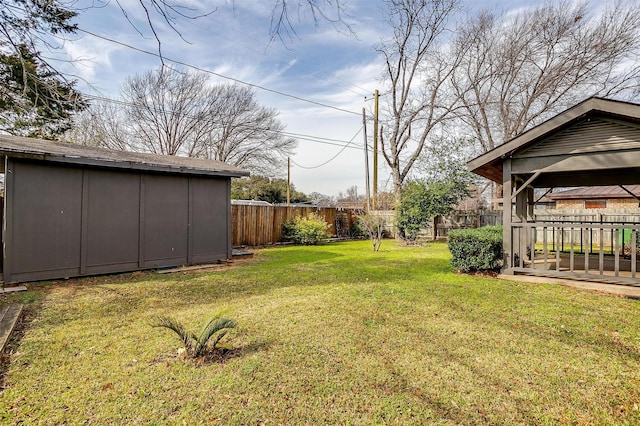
pixel 478 249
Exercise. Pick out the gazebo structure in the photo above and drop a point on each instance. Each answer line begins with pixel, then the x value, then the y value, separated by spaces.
pixel 595 143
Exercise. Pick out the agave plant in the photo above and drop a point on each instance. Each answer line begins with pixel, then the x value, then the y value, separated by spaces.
pixel 198 345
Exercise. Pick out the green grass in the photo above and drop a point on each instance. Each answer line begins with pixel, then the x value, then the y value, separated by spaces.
pixel 333 334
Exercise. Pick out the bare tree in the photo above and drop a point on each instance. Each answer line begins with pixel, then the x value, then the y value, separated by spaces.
pixel 373 224
pixel 332 11
pixel 103 124
pixel 37 99
pixel 159 13
pixel 179 113
pixel 417 70
pixel 351 196
pixel 168 111
pixel 244 133
pixel 519 70
pixel 322 200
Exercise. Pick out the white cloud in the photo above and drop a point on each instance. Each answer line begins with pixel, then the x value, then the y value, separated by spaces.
pixel 321 65
pixel 89 55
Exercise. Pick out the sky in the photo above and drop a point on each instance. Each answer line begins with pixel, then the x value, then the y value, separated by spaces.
pixel 324 74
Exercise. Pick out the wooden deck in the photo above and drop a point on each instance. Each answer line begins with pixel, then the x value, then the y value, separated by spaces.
pixel 567 250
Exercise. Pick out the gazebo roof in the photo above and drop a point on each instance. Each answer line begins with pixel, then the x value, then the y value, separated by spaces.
pixel 490 164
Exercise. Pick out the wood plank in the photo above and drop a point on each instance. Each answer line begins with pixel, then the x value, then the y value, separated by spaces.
pixel 545 249
pixel 571 251
pixel 634 250
pixel 9 315
pixel 601 254
pixel 587 240
pixel 616 249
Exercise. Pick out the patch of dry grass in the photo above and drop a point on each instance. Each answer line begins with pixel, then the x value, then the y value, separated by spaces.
pixel 329 334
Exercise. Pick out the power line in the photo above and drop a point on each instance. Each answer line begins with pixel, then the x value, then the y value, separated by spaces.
pixel 332 158
pixel 257 86
pixel 310 138
pixel 346 86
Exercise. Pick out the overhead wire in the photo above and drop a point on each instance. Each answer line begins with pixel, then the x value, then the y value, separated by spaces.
pixel 236 80
pixel 330 159
pixel 299 136
pixel 345 86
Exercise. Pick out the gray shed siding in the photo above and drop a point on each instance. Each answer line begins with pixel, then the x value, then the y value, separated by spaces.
pixel 63 220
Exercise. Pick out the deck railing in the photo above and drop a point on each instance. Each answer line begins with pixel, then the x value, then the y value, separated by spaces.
pixel 596 251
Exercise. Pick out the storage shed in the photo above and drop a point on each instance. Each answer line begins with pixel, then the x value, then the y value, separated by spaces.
pixel 73 210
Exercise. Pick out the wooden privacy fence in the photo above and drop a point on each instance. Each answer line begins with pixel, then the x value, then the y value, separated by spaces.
pixel 262 225
pixel 465 219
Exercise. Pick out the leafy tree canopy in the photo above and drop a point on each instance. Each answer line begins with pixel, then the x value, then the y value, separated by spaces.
pixel 424 200
pixel 262 188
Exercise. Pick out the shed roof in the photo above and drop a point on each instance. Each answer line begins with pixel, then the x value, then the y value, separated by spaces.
pixel 596 192
pixel 62 152
pixel 489 164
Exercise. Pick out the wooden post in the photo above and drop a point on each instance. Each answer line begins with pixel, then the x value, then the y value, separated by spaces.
pixel 375 149
pixel 366 161
pixel 506 216
pixel 288 181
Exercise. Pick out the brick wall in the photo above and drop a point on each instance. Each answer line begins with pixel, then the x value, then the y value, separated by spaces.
pixel 569 204
pixel 614 203
pixel 622 203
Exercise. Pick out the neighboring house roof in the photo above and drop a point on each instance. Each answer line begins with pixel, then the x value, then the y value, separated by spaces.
pixel 250 203
pixel 489 164
pixel 350 205
pixel 545 200
pixel 30 148
pixel 596 192
pixel 304 204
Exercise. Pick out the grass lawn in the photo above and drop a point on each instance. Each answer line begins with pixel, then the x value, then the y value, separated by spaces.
pixel 331 334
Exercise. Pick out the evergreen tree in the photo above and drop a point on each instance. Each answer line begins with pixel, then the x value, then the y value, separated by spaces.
pixel 35 99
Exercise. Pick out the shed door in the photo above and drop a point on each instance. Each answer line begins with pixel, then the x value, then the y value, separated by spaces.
pixel 165 217
pixel 45 214
pixel 209 220
pixel 113 221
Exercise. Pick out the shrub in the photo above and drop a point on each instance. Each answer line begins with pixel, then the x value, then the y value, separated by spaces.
pixel 308 230
pixel 476 249
pixel 423 200
pixel 198 345
pixel 373 225
pixel 357 232
pixel 288 230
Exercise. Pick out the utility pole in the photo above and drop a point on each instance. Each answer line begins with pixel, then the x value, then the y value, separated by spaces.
pixel 375 149
pixel 366 160
pixel 288 181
